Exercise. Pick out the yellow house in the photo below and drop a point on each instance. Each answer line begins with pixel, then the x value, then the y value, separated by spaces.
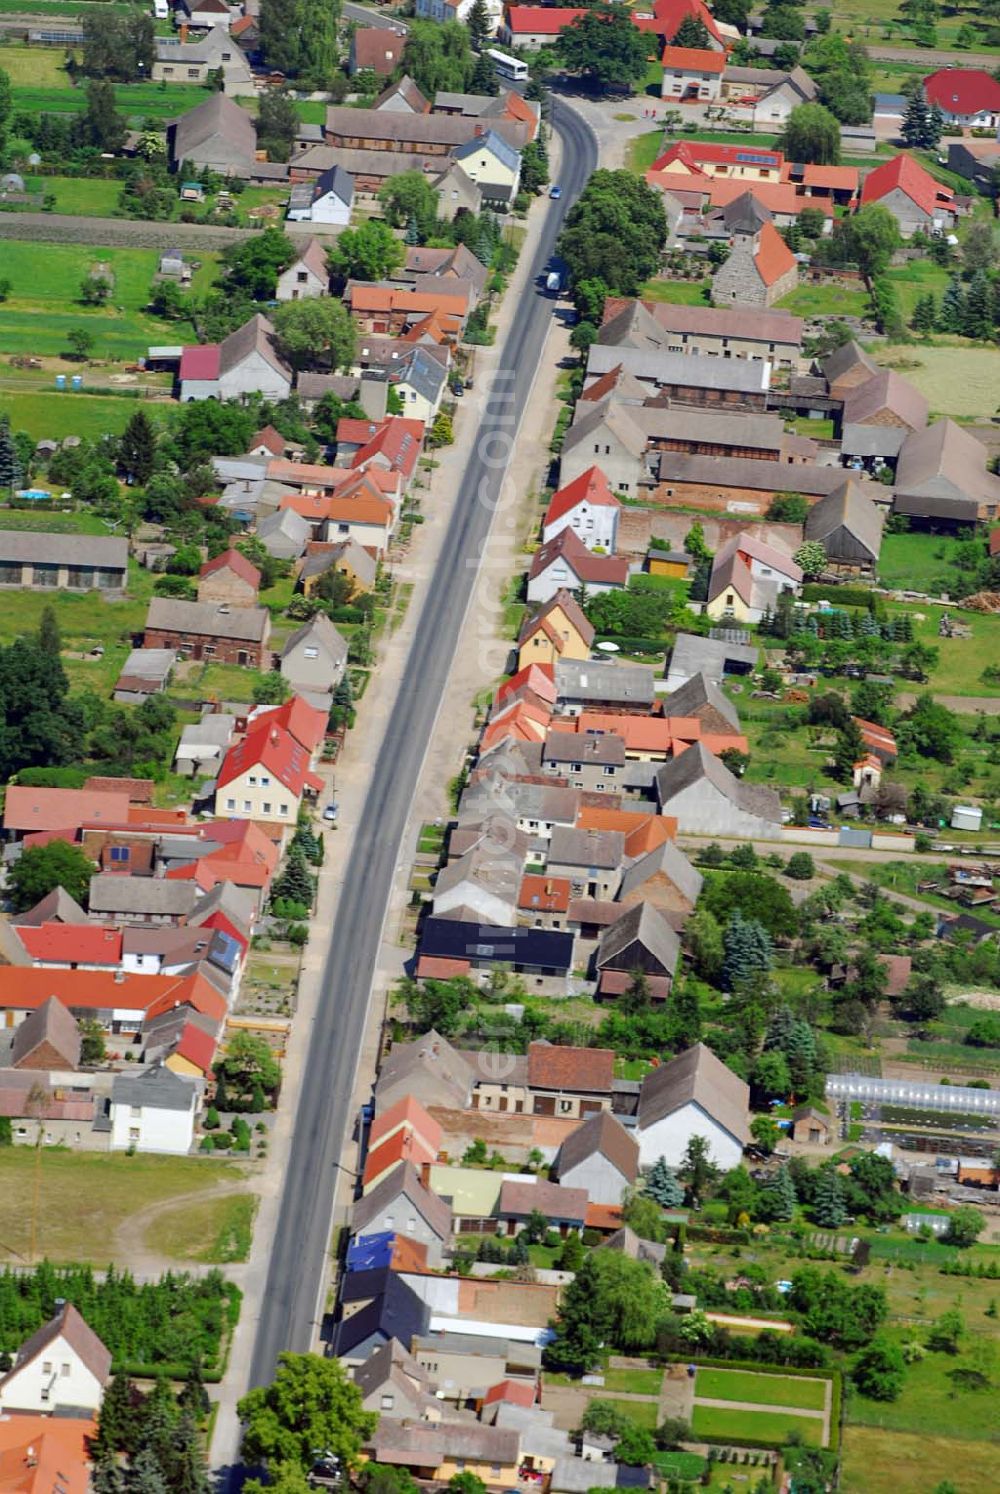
pixel 264 778
pixel 436 1451
pixel 347 558
pixel 559 631
pixel 194 1053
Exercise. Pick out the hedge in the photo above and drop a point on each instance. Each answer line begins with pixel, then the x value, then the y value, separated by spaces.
pixel 635 645
pixel 840 596
pixel 135 1370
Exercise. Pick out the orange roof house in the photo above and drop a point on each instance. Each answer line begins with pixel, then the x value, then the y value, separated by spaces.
pixel 541 894
pixel 404 1145
pixel 759 271
pixel 45 1454
pixel 31 809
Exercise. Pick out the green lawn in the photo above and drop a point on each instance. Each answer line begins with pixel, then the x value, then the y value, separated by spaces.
pixel 918 277
pixel 52 523
pixel 51 415
pixel 84 620
pixel 918 562
pixel 677 292
pixel 766 1390
pixel 716 1424
pixel 825 300
pixel 48 90
pixel 79 196
pixel 932 1402
pixel 638 1381
pixel 34 66
pixel 815 426
pixel 643 151
pixel 643 1413
pixel 681 1465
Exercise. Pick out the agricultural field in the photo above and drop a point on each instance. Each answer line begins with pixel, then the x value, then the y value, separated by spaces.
pixel 956 379
pixel 878 1462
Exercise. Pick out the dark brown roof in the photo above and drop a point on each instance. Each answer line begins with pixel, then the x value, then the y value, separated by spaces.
pixel 583 1070
pixel 641 924
pixel 50 1023
pixel 574 614
pixel 601 1133
pixel 70 1325
pixel 886 390
pixel 520 1199
pixel 696 1077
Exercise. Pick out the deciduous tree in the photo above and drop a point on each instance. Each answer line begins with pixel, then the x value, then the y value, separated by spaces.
pixel 310 1407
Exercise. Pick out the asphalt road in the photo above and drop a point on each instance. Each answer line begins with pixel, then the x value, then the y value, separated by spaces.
pixel 362 16
pixel 292 1299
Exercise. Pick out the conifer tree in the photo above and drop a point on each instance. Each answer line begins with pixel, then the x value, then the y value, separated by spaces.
pixel 10 462
pixel 977 320
pixel 952 315
pixel 828 1203
pixel 479 24
pixel 778 1197
pixel 662 1185
pixel 916 125
pixel 137 448
pixel 747 951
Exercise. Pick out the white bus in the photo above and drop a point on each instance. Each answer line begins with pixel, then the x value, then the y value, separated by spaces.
pixel 511 68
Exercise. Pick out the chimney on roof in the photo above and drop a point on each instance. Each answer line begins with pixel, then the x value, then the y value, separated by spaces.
pixel 29 1457
pixel 119 977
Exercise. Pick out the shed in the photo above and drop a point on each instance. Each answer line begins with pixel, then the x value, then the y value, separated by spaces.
pixel 811 1126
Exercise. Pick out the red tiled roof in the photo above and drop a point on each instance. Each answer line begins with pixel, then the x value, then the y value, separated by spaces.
pixel 197 1046
pixel 25 988
pixel 669 15
pixel 590 487
pixel 962 90
pixel 270 747
pixel 306 724
pixel 201 362
pixel 72 944
pixel 773 258
pixel 534 20
pixel 693 60
pixel 541 894
pixel 567 545
pixel 516 1392
pixel 39 1454
pixel 397 441
pixel 439 967
pixel 908 176
pixel 586 1070
pixel 267 436
pixel 61 808
pixel 404 1145
pixel 410 1113
pixel 235 561
pixel 539 678
pixel 603 1216
pixel 692 153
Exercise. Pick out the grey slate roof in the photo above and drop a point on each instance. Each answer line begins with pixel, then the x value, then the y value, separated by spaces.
pixel 871 440
pixel 699 691
pixel 945 462
pixel 697 764
pixel 620 420
pixel 691 370
pixel 50 1023
pixel 748 472
pixel 425 373
pixel 647 926
pixel 503 148
pixel 846 358
pixel 666 860
pixel 173 616
pixel 112 893
pixel 402 1180
pixel 55 907
pixel 850 509
pixel 590 747
pixel 598 848
pixel 700 1077
pixel 26 546
pixel 886 390
pixel 623 684
pixel 155 1088
pixel 432 1055
pixel 255 336
pixel 601 1134
pixel 320 631
pixel 218 115
pixel 692 655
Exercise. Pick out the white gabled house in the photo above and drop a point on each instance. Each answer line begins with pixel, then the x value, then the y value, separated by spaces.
pixel 695 1094
pixel 64 1366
